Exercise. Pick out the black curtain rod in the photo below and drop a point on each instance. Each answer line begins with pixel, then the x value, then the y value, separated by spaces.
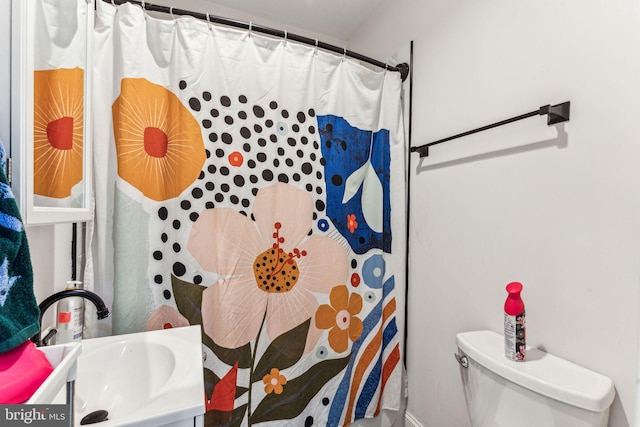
pixel 403 68
pixel 555 114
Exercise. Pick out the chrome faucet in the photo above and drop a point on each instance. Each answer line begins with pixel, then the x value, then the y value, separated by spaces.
pixel 103 311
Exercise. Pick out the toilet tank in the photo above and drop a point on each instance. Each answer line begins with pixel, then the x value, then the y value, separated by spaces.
pixel 544 390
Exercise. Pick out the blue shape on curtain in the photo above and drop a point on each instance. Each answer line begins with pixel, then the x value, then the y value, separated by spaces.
pixel 373 271
pixel 369 323
pixel 346 149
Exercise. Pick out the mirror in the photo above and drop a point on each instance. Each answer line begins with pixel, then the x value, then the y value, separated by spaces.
pixel 50 114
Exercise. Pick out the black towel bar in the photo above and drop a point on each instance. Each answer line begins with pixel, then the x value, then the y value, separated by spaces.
pixel 555 114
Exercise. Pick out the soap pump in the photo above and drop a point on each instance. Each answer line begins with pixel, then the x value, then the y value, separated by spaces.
pixel 70 316
pixel 514 324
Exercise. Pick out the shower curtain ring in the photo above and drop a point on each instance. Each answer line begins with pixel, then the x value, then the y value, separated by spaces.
pixel 113 3
pixel 209 22
pixel 250 28
pixel 171 12
pixel 316 49
pixel 344 54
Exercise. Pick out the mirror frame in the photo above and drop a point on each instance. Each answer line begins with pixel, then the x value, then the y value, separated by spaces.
pixel 22 120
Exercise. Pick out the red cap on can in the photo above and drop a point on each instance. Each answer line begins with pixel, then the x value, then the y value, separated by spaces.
pixel 514 305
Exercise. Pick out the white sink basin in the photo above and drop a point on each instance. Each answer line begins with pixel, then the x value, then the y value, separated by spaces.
pixel 63 358
pixel 143 379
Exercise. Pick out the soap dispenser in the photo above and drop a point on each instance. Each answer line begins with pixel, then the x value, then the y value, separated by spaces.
pixel 70 316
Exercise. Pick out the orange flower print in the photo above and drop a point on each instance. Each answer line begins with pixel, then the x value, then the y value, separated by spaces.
pixel 274 381
pixel 236 159
pixel 351 223
pixel 339 318
pixel 158 141
pixel 58 123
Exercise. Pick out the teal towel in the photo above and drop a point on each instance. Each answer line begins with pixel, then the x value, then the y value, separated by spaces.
pixel 19 313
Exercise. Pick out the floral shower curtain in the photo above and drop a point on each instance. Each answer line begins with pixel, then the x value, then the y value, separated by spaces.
pixel 253 186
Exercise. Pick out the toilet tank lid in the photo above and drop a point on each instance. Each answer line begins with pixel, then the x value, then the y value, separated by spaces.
pixel 542 372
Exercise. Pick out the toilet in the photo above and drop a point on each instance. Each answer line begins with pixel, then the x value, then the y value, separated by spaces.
pixel 543 391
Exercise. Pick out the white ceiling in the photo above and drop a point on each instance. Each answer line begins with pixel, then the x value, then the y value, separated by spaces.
pixel 339 19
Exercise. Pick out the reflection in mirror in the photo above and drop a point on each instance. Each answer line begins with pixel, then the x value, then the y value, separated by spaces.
pixel 60 53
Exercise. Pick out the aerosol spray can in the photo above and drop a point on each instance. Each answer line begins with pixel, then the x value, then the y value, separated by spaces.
pixel 514 324
pixel 70 316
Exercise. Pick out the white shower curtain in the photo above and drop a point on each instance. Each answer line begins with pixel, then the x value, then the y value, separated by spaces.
pixel 254 186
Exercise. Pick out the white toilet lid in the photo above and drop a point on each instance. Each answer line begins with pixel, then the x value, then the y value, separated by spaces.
pixel 541 372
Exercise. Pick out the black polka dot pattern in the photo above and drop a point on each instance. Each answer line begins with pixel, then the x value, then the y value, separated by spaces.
pixel 278 144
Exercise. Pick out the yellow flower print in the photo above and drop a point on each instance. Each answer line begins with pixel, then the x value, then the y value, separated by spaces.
pixel 339 318
pixel 158 141
pixel 274 381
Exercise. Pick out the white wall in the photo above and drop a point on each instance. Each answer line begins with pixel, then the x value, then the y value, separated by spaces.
pixel 559 213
